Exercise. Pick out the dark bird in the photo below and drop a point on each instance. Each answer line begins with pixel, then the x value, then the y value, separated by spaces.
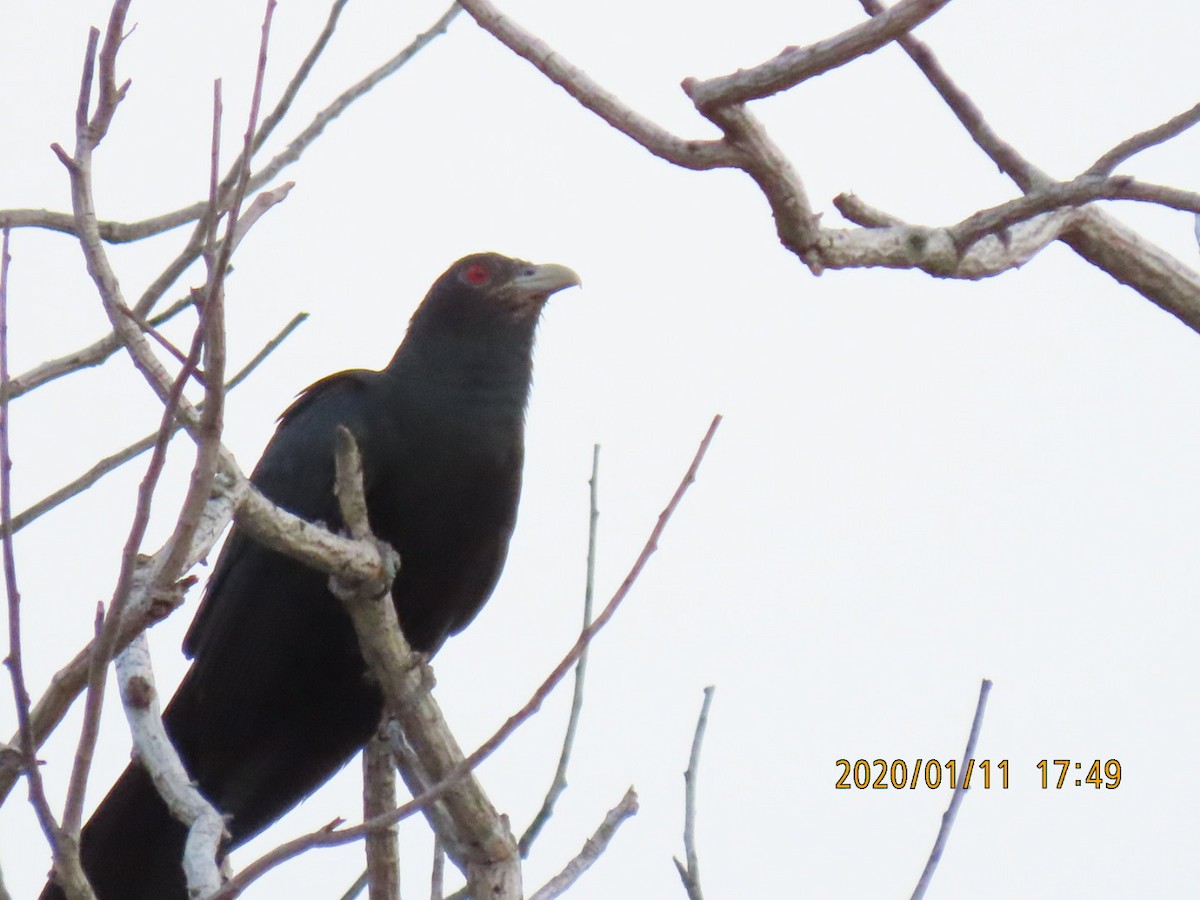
pixel 277 698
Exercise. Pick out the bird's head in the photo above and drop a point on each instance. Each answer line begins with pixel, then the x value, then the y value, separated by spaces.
pixel 488 287
pixel 480 315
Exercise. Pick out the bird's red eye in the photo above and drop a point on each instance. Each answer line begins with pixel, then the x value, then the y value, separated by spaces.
pixel 477 273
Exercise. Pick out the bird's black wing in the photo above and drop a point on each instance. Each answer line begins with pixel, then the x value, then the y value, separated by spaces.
pixel 276 699
pixel 295 472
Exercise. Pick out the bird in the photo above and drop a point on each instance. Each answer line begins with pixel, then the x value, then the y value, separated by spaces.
pixel 277 698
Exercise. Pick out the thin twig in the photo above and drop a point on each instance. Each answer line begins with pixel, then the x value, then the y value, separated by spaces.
pixel 26 746
pixel 162 341
pixel 212 326
pixel 71 680
pixel 960 791
pixel 356 889
pixel 85 357
pixel 333 836
pixel 319 122
pixel 592 849
pixel 689 874
pixel 437 874
pixel 99 351
pixel 1003 154
pixel 89 134
pixel 1144 140
pixel 106 639
pixel 275 116
pixel 559 783
pixel 206 825
pixel 123 232
pixel 109 463
pixel 1097 237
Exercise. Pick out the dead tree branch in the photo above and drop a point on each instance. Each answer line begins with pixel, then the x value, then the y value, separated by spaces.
pixel 1151 137
pixel 125 232
pixel 960 791
pixel 332 835
pixel 481 843
pixel 985 244
pixel 1094 235
pixel 25 758
pixel 379 797
pixel 559 783
pixel 592 850
pixel 157 755
pixel 689 873
pixel 118 459
pixel 690 154
pixel 798 64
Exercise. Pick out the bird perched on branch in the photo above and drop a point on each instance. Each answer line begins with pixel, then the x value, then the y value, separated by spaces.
pixel 277 698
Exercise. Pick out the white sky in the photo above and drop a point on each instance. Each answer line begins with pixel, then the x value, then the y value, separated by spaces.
pixel 918 484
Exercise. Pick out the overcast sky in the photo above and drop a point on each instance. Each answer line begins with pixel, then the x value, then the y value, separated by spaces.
pixel 918 483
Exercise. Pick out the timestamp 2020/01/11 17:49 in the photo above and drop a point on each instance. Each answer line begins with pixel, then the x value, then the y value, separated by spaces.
pixel 899 774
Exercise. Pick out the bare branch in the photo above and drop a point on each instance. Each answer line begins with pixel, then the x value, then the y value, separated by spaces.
pixel 106 638
pixel 1084 189
pixel 379 797
pixel 332 836
pixel 277 529
pixel 348 486
pixel 144 610
pixel 86 357
pixel 157 755
pixel 108 95
pixel 933 250
pixel 690 874
pixel 960 791
pixel 275 116
pixel 88 136
pixel 155 335
pixel 1099 238
pixel 109 463
pixel 858 211
pixel 797 64
pixel 101 350
pixel 1144 140
pixel 687 153
pixel 26 744
pixel 211 327
pixel 483 845
pixel 418 780
pixel 559 783
pixel 122 232
pixel 592 849
pixel 1012 163
pixel 761 159
pixel 357 888
pixel 301 142
pixel 266 523
pixel 263 201
pixel 437 874
pixel 1132 260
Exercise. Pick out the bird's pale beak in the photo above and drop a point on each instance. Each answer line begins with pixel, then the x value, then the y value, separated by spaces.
pixel 542 281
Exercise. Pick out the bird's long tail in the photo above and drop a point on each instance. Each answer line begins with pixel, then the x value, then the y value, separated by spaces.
pixel 132 849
